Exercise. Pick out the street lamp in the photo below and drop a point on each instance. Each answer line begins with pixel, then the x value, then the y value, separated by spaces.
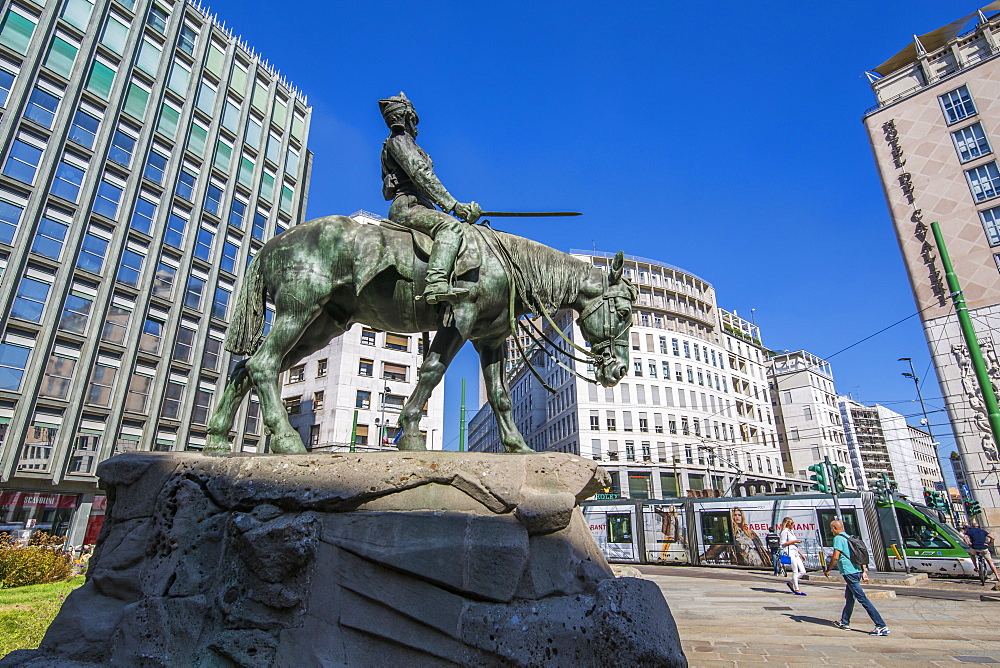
pixel 927 423
pixel 381 428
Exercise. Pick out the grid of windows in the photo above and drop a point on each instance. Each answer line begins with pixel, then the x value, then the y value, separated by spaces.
pixel 957 104
pixel 971 142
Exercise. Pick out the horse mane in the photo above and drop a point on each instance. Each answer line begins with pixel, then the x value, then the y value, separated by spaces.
pixel 552 278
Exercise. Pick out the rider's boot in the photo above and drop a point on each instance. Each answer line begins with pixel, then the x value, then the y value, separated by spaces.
pixel 446 246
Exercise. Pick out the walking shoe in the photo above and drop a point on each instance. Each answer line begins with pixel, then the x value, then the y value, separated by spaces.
pixel 800 593
pixel 879 631
pixel 790 587
pixel 841 625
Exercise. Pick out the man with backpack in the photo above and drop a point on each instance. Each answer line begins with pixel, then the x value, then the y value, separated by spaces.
pixel 851 556
pixel 773 543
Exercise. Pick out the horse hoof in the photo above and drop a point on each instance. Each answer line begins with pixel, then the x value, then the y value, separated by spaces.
pixel 287 445
pixel 217 444
pixel 518 449
pixel 412 443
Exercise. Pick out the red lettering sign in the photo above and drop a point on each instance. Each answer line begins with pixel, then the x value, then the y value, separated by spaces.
pixel 34 499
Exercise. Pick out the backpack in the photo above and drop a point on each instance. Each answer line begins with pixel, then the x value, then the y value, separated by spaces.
pixel 859 552
pixel 773 542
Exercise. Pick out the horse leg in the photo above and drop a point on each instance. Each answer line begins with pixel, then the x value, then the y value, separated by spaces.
pixel 222 417
pixel 491 360
pixel 447 342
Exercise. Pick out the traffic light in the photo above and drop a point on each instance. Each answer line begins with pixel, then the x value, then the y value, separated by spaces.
pixel 819 475
pixel 928 498
pixel 838 478
pixel 973 508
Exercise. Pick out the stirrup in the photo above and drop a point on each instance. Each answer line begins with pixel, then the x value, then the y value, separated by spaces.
pixel 450 297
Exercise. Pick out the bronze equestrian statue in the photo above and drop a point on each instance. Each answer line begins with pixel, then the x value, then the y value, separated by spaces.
pixel 327 274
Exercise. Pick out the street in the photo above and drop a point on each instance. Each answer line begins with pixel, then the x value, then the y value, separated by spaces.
pixel 734 617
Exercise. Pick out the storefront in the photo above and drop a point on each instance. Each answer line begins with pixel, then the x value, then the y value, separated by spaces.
pixel 38 511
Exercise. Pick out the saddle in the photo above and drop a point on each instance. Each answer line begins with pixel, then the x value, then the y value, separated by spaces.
pixel 469 255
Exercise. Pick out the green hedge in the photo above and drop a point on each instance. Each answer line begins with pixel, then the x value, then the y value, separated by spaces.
pixel 41 561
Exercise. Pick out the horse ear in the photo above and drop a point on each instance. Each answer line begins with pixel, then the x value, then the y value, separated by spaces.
pixel 617 265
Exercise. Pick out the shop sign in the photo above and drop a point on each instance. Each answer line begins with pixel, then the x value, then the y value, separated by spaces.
pixel 33 499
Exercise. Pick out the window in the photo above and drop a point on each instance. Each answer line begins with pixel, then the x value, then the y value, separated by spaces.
pixel 229 253
pixel 149 58
pixel 121 149
pixel 167 123
pixel 142 217
pixel 76 314
pixel 223 156
pixel 687 350
pixel 10 218
pixel 49 238
pixel 108 197
pixel 220 307
pixel 67 181
pixel 136 100
pixel 212 353
pixel 175 231
pixel 206 97
pixel 41 107
pixel 84 129
pixel 102 380
pixel 173 397
pixel 22 161
pixel 611 422
pixel 366 368
pixel 194 293
pixel 115 325
pixel 321 366
pixel 163 281
pixel 6 83
pixel 185 184
pixel 957 104
pixel 273 148
pixel 180 75
pixel 157 19
pixel 991 225
pixel 393 402
pixel 394 372
pixel 971 142
pixel 237 213
pixel 100 80
pixel 156 164
pixel 186 39
pixel 397 342
pixel 984 181
pixel 297 374
pixel 293 405
pixel 115 35
pixel 139 387
pixel 13 360
pixel 30 299
pixel 198 139
pixel 202 406
pixel 128 270
pixel 203 245
pixel 213 199
pixel 16 31
pixel 259 225
pixel 367 336
pixel 57 376
pixel 252 136
pixel 92 251
pixel 244 175
pixel 152 334
pixel 230 115
pixel 61 56
pixel 183 344
pixel 363 399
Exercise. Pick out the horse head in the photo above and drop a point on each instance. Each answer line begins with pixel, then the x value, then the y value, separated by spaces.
pixel 605 320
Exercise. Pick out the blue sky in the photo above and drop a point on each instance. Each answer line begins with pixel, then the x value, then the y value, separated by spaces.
pixel 725 139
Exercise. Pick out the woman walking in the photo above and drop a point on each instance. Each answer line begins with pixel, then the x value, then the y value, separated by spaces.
pixel 790 547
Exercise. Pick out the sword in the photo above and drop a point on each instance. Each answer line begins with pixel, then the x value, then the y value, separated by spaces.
pixel 528 214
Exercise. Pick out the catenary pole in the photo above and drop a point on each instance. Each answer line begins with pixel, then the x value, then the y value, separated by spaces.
pixel 461 421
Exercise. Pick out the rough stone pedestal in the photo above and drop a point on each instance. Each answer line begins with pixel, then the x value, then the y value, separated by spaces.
pixel 378 559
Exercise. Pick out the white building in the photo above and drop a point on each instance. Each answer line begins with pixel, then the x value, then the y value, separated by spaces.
pixel 805 407
pixel 693 414
pixel 365 373
pixel 880 443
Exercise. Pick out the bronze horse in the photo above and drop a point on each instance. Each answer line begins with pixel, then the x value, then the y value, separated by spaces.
pixel 329 273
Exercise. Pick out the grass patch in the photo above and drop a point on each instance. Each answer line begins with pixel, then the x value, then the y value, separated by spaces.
pixel 25 612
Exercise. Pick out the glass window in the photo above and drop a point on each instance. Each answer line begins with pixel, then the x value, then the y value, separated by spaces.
pixel 194 293
pixel 850 519
pixel 229 253
pixel 57 376
pixel 184 345
pixel 213 351
pixel 6 83
pixel 220 307
pixel 267 186
pixel 22 161
pixel 237 213
pixel 259 95
pixel 298 126
pixel 286 199
pixel 121 149
pixel 108 197
pixel 197 140
pixel 259 225
pixel 156 164
pixel 76 314
pixel 92 252
pixel 238 78
pixel 149 58
pixel 984 181
pixel 67 181
pixel 291 162
pixel 13 360
pixel 213 199
pixel 206 98
pixel 991 225
pixel 139 387
pixel 223 156
pixel 128 270
pixel 41 107
pixel 136 100
pixel 16 31
pixel 185 184
pixel 175 231
pixel 186 39
pixel 30 300
pixel 231 116
pixel 971 142
pixel 245 174
pixel 957 104
pixel 49 238
pixel 180 74
pixel 173 397
pixel 102 380
pixel 157 19
pixel 10 217
pixel 280 112
pixel 100 80
pixel 115 325
pixel 253 132
pixel 142 216
pixel 169 118
pixel 214 61
pixel 202 406
pixel 163 281
pixel 61 56
pixel 84 129
pixel 152 334
pixel 115 35
pixel 203 245
pixel 273 148
pixel 77 13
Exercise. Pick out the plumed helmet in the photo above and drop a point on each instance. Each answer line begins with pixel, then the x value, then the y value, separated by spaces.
pixel 395 109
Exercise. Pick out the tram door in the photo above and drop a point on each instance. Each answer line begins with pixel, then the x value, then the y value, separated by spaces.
pixel 621 540
pixel 717 539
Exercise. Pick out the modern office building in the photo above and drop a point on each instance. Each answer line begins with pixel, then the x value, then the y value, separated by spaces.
pixel 357 386
pixel 805 408
pixel 881 442
pixel 932 131
pixel 146 153
pixel 693 416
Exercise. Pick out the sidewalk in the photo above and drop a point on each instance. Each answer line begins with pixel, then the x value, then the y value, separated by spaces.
pixel 735 618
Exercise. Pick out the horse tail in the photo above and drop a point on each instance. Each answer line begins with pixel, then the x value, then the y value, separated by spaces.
pixel 247 325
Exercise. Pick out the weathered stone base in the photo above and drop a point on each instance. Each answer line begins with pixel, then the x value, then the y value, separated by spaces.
pixel 416 559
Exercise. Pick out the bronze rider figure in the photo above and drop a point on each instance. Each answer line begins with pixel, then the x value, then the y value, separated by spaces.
pixel 409 182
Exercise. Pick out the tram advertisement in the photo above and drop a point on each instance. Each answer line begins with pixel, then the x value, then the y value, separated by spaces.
pixel 666 533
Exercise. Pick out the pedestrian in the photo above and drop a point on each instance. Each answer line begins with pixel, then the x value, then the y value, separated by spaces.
pixel 853 576
pixel 980 541
pixel 790 548
pixel 773 543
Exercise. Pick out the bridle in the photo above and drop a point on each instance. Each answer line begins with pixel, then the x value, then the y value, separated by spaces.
pixel 602 353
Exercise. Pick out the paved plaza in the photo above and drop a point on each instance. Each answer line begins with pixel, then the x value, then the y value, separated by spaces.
pixel 735 618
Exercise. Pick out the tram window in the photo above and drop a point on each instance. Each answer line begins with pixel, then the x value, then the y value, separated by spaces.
pixel 850 518
pixel 619 528
pixel 918 533
pixel 716 529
